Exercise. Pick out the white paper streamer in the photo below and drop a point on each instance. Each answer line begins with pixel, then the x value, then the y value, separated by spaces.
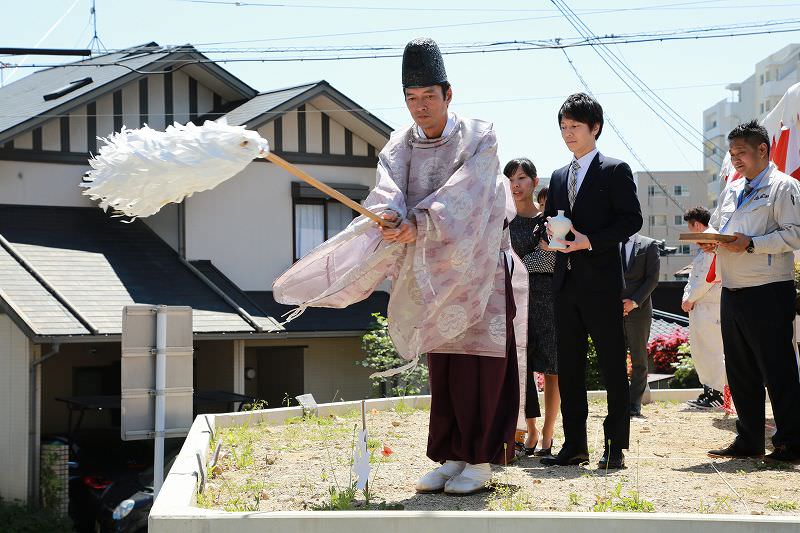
pixel 137 172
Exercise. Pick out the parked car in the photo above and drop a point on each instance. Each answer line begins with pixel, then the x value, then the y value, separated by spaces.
pixel 124 505
pixel 106 468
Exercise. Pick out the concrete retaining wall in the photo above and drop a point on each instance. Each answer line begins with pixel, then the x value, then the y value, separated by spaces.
pixel 175 510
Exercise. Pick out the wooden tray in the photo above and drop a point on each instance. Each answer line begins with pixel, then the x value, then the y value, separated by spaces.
pixel 707 237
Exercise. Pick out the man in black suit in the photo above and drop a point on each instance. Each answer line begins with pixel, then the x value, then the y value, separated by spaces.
pixel 599 195
pixel 641 263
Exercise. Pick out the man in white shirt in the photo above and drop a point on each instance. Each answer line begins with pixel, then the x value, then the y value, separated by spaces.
pixel 701 298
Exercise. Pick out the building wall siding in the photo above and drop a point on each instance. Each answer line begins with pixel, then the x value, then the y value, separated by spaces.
pixel 244 225
pixel 329 369
pixel 14 411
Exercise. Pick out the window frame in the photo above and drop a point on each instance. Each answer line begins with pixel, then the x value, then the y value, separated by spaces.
pixel 304 194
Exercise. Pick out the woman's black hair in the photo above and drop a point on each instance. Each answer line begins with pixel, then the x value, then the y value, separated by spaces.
pixel 541 194
pixel 527 167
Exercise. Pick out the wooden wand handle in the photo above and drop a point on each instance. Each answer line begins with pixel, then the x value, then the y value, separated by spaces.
pixel 333 193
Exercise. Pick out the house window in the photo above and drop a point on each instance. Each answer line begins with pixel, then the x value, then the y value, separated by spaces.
pixel 684 249
pixel 680 190
pixel 761 80
pixel 658 220
pixel 317 217
pixel 762 107
pixel 652 190
pixel 679 220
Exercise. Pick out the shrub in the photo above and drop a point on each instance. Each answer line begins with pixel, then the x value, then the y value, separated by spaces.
pixel 685 376
pixel 664 350
pixel 380 354
pixel 594 379
pixel 18 518
pixel 797 287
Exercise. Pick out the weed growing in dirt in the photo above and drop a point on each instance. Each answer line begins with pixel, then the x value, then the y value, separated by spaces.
pixel 507 497
pixel 616 502
pixel 572 500
pixel 783 506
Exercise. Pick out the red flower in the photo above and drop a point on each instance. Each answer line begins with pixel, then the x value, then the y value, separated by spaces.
pixel 386 451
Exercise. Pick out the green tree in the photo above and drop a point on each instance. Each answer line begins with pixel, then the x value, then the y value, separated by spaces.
pixel 380 354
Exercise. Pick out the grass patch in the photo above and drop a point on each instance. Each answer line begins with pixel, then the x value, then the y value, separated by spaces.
pixel 615 501
pixel 19 518
pixel 507 497
pixel 783 506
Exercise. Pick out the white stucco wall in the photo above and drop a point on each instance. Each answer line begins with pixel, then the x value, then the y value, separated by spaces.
pixel 28 183
pixel 14 411
pixel 244 226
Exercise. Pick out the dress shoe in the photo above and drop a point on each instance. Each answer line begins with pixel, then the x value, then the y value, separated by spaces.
pixel 565 458
pixel 611 460
pixel 544 452
pixel 784 454
pixel 471 480
pixel 434 481
pixel 736 451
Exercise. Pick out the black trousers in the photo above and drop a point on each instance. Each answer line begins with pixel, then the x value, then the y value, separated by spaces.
pixel 757 336
pixel 597 313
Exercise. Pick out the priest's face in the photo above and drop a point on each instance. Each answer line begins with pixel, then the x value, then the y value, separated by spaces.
pixel 428 108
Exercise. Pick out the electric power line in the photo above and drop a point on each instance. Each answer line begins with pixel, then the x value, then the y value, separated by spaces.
pixel 622 138
pixel 512 47
pixel 650 99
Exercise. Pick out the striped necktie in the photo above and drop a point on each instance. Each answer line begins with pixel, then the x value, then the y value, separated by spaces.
pixel 572 187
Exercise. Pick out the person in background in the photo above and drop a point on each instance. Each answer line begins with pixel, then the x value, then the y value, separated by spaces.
pixel 527 229
pixel 641 263
pixel 701 298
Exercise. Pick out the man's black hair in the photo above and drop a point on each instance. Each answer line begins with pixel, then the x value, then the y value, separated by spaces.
pixel 582 108
pixel 697 214
pixel 752 133
pixel 542 194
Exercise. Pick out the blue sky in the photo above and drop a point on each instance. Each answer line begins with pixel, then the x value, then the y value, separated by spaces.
pixel 519 91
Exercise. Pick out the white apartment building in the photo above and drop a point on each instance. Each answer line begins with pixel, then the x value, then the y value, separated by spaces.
pixel 750 99
pixel 663 219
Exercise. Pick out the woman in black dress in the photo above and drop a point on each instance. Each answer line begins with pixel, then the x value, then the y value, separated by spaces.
pixel 527 229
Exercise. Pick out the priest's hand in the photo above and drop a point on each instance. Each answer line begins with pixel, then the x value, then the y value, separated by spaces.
pixel 581 242
pixel 405 233
pixel 687 306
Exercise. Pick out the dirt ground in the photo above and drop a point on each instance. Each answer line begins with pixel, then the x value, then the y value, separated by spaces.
pixel 294 467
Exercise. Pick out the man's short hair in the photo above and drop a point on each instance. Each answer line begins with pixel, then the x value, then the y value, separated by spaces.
pixel 522 162
pixel 582 108
pixel 697 214
pixel 752 133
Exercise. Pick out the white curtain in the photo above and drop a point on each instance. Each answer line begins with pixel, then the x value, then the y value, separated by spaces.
pixel 339 216
pixel 309 228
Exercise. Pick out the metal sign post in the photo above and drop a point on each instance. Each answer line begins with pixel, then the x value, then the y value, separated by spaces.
pixel 157 384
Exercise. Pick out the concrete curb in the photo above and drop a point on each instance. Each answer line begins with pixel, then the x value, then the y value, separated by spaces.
pixel 175 510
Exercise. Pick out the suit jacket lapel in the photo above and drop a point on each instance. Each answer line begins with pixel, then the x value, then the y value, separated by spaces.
pixel 589 178
pixel 637 243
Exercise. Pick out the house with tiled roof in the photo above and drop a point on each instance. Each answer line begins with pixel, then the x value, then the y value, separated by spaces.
pixel 67 268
